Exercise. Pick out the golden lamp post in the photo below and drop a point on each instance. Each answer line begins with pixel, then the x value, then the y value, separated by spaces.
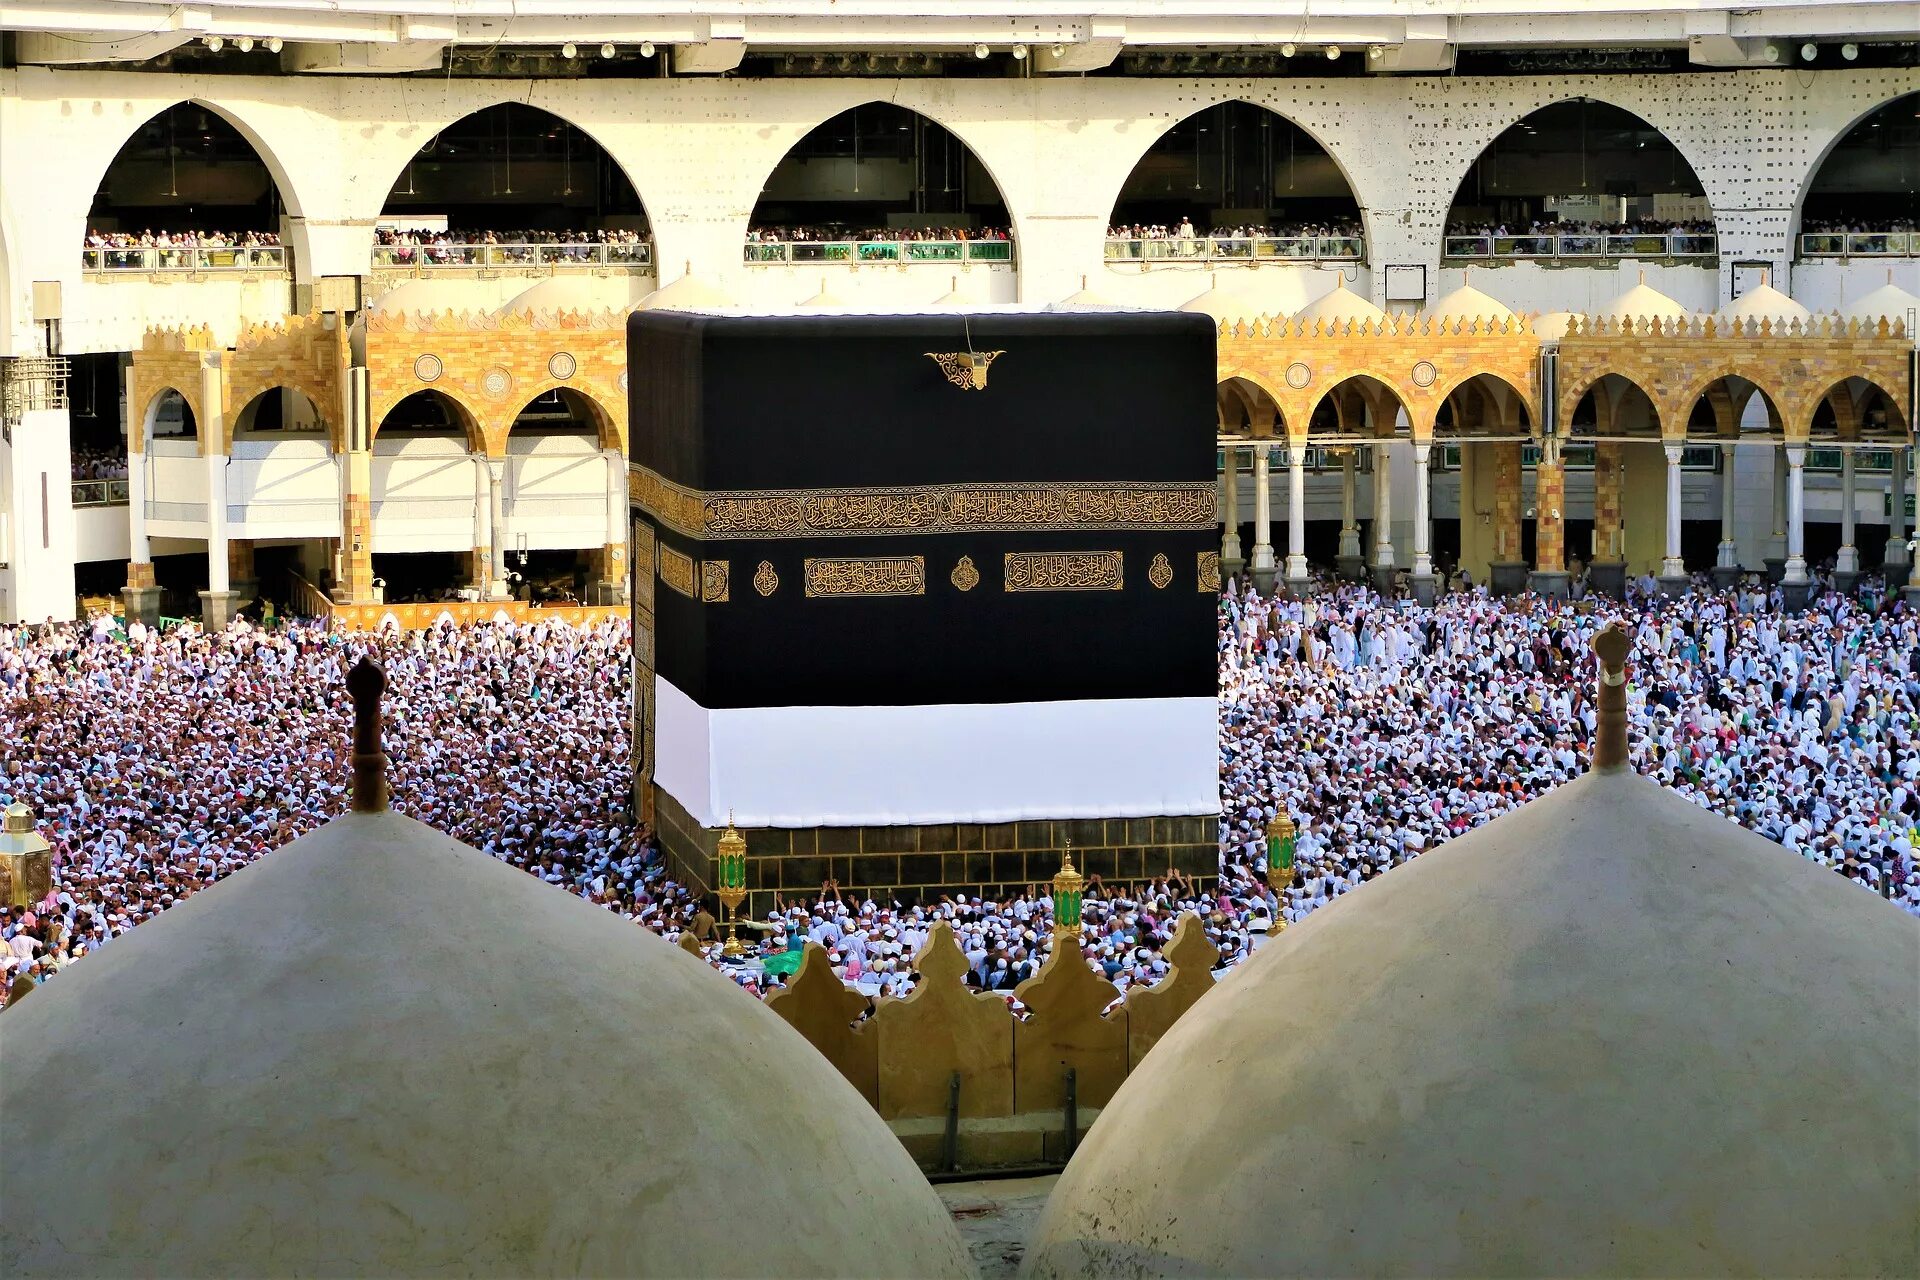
pixel 26 860
pixel 1280 843
pixel 1069 890
pixel 730 882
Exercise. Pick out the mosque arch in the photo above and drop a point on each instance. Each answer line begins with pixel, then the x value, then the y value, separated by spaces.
pixel 1236 157
pixel 1494 397
pixel 1858 408
pixel 193 165
pixel 1611 404
pixel 1364 403
pixel 1576 146
pixel 555 407
pixel 1876 155
pixel 511 166
pixel 169 415
pixel 282 409
pixel 1741 382
pixel 431 413
pixel 1245 402
pixel 876 164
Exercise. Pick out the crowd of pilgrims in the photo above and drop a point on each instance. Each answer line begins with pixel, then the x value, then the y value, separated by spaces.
pixel 157 763
pixel 164 248
pixel 838 232
pixel 1188 241
pixel 98 462
pixel 408 246
pixel 1573 227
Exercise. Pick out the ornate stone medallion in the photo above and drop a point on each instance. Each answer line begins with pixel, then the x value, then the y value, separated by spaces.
pixel 427 367
pixel 561 365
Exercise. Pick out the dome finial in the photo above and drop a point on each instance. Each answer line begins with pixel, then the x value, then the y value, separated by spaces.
pixel 1610 735
pixel 365 683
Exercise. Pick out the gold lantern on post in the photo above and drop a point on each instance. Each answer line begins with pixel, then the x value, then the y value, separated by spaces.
pixel 26 860
pixel 1281 838
pixel 730 881
pixel 1069 891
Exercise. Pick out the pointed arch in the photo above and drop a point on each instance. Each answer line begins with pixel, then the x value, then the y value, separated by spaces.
pixel 197 133
pixel 415 413
pixel 1827 179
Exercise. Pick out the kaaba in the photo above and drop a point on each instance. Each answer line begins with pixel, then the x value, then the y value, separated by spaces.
pixel 923 602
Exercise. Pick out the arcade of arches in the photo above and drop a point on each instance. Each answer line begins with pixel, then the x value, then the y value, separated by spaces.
pixel 1575 448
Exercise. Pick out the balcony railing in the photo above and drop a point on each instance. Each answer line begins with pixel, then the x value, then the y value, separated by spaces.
pixel 1860 244
pixel 860 252
pixel 1217 250
pixel 100 493
pixel 149 258
pixel 583 253
pixel 1688 245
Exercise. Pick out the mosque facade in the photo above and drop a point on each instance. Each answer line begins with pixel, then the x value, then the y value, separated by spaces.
pixel 176 198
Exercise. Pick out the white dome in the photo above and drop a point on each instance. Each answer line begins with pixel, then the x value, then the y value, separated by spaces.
pixel 420 297
pixel 1551 326
pixel 1087 298
pixel 1889 300
pixel 826 300
pixel 1608 1034
pixel 1221 304
pixel 1642 302
pixel 1338 306
pixel 685 294
pixel 1764 302
pixel 1468 303
pixel 381 1052
pixel 556 294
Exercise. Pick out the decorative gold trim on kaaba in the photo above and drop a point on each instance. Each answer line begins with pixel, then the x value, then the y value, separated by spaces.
pixel 1209 570
pixel 676 570
pixel 964 576
pixel 1041 506
pixel 1064 571
pixel 645 561
pixel 865 576
pixel 714 581
pixel 1160 573
pixel 765 580
pixel 966 370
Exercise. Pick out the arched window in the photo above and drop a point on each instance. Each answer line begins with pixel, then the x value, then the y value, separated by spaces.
pixel 1865 197
pixel 1235 182
pixel 1580 179
pixel 185 192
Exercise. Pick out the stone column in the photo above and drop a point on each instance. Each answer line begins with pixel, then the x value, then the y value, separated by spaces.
pixel 1508 569
pixel 241 578
pixel 1262 517
pixel 1776 557
pixel 481 573
pixel 1896 554
pixel 1352 564
pixel 1297 519
pixel 1726 564
pixel 1794 577
pixel 612 587
pixel 1425 586
pixel 142 592
pixel 219 602
pixel 1846 567
pixel 1673 568
pixel 496 504
pixel 1549 526
pixel 1383 565
pixel 1607 570
pixel 354 583
pixel 1231 561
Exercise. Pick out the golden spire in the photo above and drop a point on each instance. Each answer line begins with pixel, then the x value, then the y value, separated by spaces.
pixel 365 683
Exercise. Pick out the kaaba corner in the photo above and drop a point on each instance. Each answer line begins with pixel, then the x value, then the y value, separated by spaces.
pixel 922 601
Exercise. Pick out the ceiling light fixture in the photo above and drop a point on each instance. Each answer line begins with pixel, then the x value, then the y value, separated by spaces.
pixel 606 50
pixel 981 51
pixel 1019 52
pixel 1849 51
pixel 1809 51
pixel 569 51
pixel 1059 51
pixel 215 43
pixel 1286 50
pixel 274 44
pixel 646 48
pixel 1773 53
pixel 1333 52
pixel 244 44
pixel 1377 52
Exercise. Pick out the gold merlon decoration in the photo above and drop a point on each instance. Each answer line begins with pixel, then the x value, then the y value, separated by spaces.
pixel 964 576
pixel 865 576
pixel 1069 891
pixel 730 880
pixel 676 570
pixel 1009 507
pixel 715 578
pixel 966 370
pixel 1064 571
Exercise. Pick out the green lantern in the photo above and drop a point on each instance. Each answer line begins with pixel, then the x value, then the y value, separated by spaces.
pixel 1280 844
pixel 1069 888
pixel 730 881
